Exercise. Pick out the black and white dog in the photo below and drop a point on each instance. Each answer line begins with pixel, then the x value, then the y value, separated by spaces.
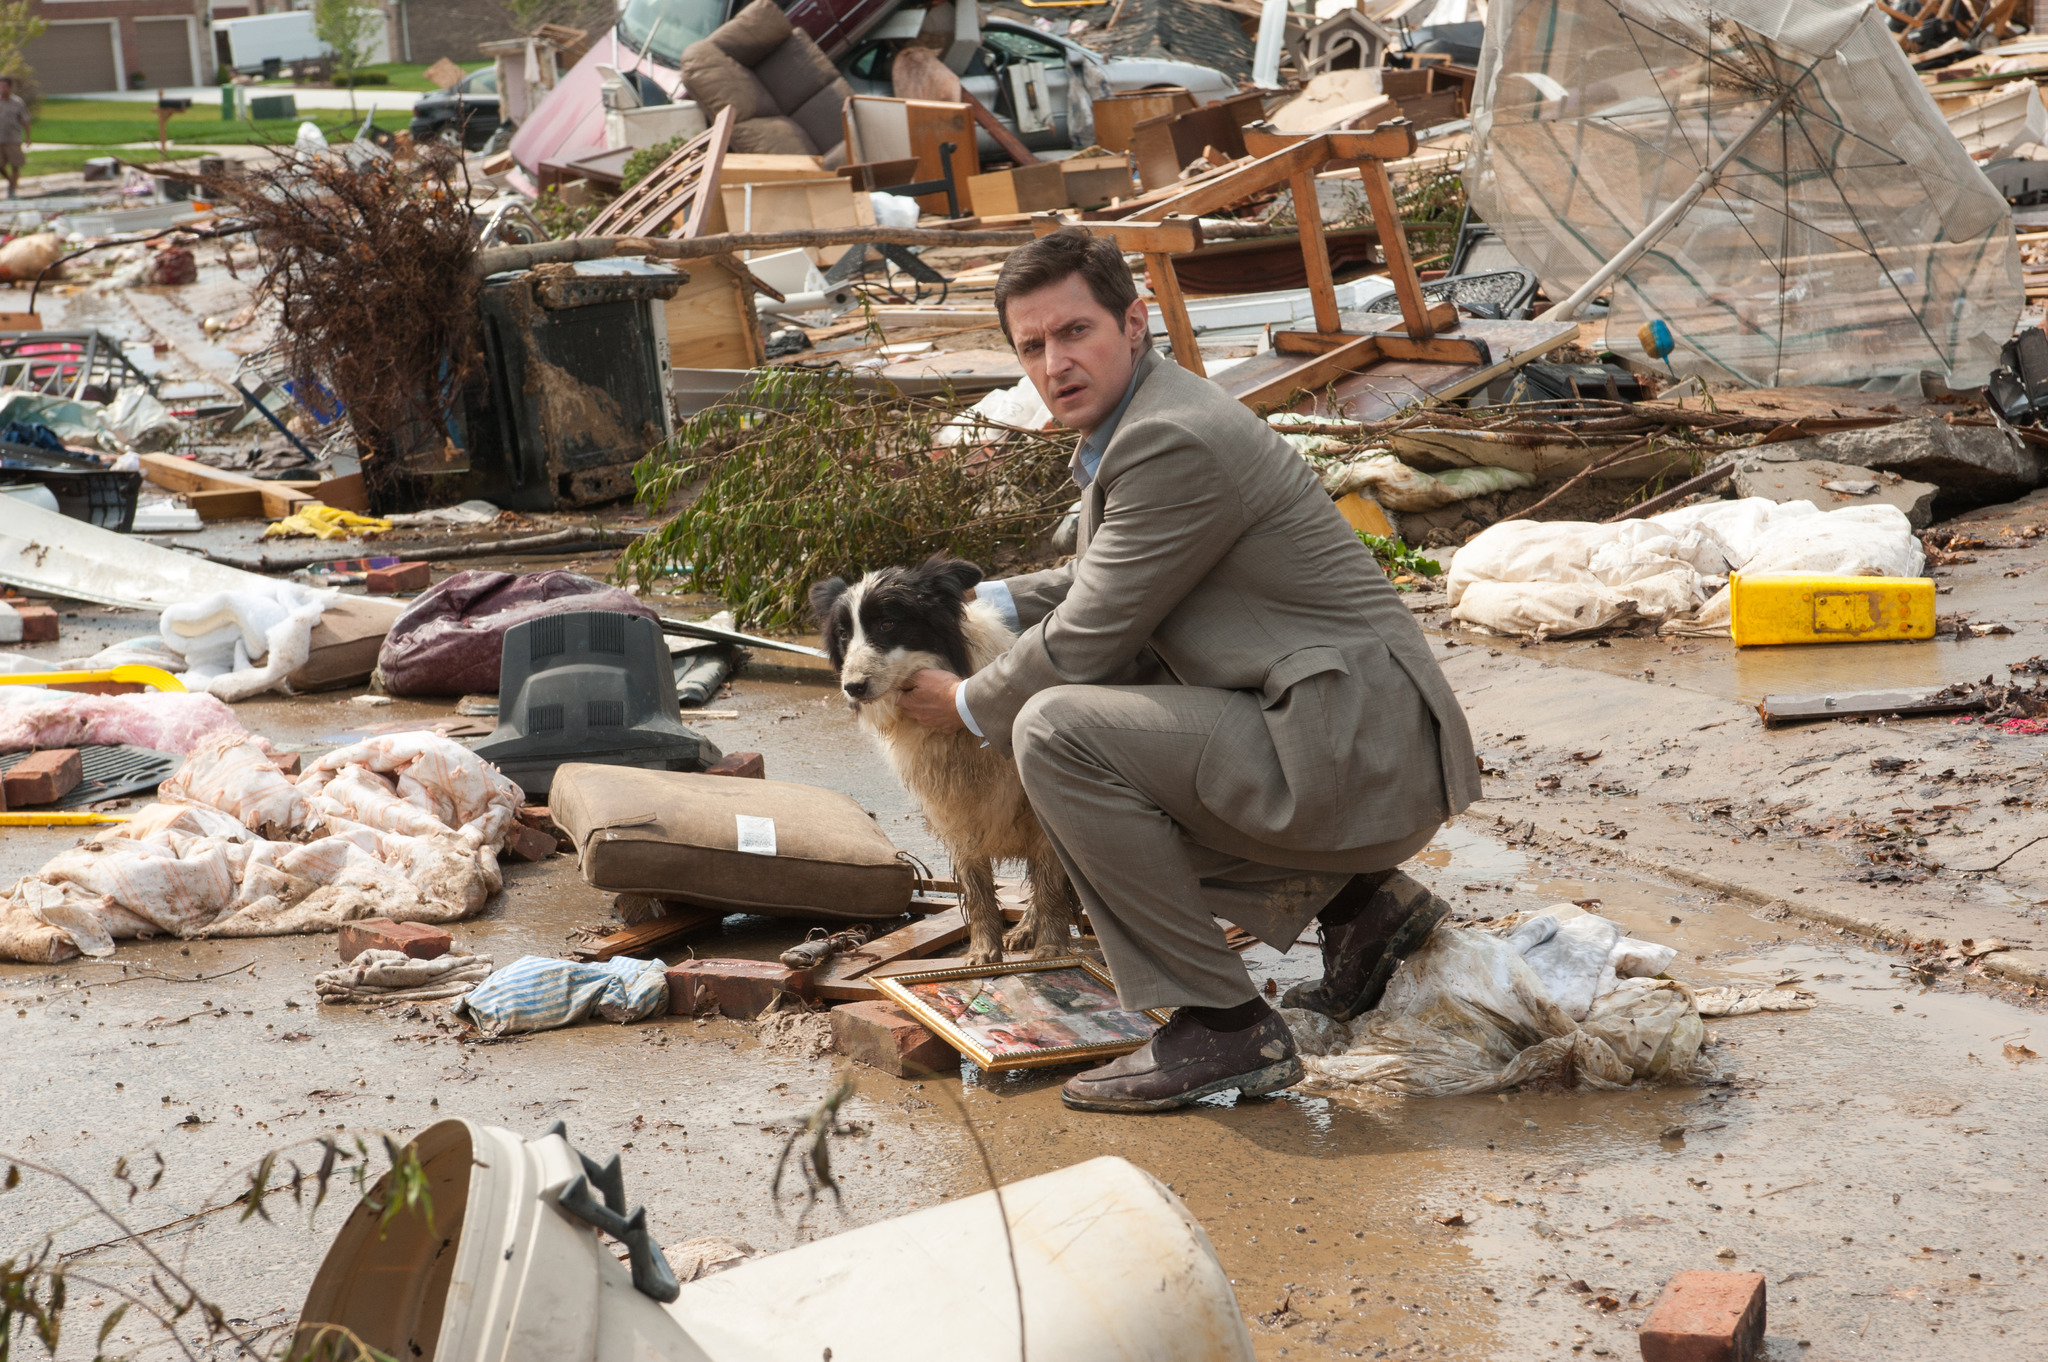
pixel 881 631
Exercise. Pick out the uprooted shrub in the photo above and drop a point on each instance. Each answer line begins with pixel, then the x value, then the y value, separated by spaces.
pixel 370 262
pixel 806 475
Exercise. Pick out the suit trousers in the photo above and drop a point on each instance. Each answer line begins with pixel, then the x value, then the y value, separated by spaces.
pixel 1111 772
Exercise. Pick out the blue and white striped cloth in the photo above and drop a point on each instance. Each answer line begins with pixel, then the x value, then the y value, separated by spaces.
pixel 539 993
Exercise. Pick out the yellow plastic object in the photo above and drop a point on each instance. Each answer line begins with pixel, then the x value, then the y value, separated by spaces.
pixel 1361 512
pixel 58 820
pixel 1809 608
pixel 134 673
pixel 325 522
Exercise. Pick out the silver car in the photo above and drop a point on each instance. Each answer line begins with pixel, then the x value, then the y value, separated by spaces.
pixel 1000 75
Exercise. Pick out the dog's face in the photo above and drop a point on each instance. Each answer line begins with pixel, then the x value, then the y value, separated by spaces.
pixel 894 623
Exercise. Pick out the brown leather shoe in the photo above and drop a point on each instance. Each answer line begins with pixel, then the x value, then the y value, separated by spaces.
pixel 1360 956
pixel 1185 1061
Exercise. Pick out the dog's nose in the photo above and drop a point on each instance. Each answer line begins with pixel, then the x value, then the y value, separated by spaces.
pixel 855 690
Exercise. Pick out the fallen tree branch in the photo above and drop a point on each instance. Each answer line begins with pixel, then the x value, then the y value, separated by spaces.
pixel 562 540
pixel 1597 465
pixel 1705 482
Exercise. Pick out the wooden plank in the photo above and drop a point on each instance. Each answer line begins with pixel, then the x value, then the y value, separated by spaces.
pixel 1243 181
pixel 345 493
pixel 1172 236
pixel 1393 345
pixel 1786 709
pixel 1386 214
pixel 1388 141
pixel 1313 372
pixel 642 937
pixel 1035 188
pixel 236 504
pixel 839 978
pixel 1174 310
pixel 1315 252
pixel 711 324
pixel 188 475
pixel 1384 389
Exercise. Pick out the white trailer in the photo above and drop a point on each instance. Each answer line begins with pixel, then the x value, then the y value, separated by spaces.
pixel 287 37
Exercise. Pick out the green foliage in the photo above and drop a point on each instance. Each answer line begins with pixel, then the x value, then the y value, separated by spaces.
pixel 20 26
pixel 563 220
pixel 1396 557
pixel 646 160
pixel 805 476
pixel 1431 205
pixel 347 27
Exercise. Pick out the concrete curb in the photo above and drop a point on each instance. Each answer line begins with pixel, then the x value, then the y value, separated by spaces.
pixel 2020 967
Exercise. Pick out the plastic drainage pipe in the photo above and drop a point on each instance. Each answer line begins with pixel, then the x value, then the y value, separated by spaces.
pixel 1666 220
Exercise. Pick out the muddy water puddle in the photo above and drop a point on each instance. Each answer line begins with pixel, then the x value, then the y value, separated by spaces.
pixel 1876 1158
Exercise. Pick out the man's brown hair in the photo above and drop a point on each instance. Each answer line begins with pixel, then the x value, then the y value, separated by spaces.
pixel 1050 259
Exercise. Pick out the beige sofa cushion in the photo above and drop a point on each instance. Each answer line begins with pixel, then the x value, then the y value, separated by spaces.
pixel 812 852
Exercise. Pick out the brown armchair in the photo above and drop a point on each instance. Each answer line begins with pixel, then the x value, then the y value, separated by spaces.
pixel 784 92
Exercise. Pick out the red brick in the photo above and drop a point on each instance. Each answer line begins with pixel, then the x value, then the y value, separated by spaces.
pixel 1706 1317
pixel 884 1036
pixel 416 939
pixel 541 819
pixel 523 843
pixel 398 577
pixel 732 988
pixel 747 764
pixel 38 623
pixel 43 777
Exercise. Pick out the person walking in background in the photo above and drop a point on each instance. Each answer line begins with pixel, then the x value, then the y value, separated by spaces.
pixel 14 132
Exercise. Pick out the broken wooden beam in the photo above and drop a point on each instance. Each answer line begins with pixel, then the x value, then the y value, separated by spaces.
pixel 1788 709
pixel 187 475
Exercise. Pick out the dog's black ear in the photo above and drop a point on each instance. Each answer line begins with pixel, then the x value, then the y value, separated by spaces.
pixel 951 575
pixel 825 595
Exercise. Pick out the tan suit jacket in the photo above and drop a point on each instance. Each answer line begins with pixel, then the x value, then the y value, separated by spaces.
pixel 1210 556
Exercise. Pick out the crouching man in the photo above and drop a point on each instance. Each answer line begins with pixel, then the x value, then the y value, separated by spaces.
pixel 1220 708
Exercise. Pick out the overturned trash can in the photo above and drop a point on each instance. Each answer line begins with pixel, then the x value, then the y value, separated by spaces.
pixel 515 1265
pixel 572 392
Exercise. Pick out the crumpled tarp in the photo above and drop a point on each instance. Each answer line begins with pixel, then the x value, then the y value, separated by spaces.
pixel 1557 1000
pixel 1555 578
pixel 451 640
pixel 1852 239
pixel 324 522
pixel 405 826
pixel 165 721
pixel 539 993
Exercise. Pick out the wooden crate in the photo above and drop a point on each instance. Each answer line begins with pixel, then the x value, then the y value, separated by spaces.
pixel 1117 115
pixel 1095 180
pixel 711 323
pixel 795 205
pixel 1026 189
pixel 882 129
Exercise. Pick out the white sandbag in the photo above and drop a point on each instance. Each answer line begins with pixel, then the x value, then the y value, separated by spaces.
pixel 1555 578
pixel 241 643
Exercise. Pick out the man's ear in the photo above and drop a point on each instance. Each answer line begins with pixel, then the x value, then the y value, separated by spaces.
pixel 1138 323
pixel 951 575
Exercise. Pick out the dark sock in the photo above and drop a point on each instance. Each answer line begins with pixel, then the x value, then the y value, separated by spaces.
pixel 1227 1019
pixel 1352 899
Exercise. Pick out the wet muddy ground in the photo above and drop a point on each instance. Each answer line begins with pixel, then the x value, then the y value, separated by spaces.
pixel 1876 1157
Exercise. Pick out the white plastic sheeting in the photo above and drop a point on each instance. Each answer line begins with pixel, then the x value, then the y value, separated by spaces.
pixel 1565 997
pixel 241 643
pixel 1555 578
pixel 1852 239
pixel 405 826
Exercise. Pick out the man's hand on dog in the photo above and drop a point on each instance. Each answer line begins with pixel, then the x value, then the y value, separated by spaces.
pixel 929 700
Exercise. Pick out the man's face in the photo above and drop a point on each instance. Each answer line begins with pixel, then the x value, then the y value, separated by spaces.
pixel 1078 353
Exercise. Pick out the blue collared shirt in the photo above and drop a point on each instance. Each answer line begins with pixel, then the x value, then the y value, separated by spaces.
pixel 1087 462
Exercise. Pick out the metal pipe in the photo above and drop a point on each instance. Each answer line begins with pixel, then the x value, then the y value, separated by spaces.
pixel 1666 220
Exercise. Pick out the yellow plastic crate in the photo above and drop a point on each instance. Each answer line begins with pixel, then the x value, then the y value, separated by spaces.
pixel 1809 608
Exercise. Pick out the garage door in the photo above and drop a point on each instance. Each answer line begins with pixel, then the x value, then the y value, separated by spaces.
pixel 75 59
pixel 163 52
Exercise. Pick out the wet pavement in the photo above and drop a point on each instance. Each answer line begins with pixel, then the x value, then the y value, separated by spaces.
pixel 1327 1212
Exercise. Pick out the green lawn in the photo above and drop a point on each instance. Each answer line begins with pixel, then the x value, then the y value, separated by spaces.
pixel 108 122
pixel 398 76
pixel 74 158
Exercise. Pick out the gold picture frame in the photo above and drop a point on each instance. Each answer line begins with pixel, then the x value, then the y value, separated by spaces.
pixel 1031 1017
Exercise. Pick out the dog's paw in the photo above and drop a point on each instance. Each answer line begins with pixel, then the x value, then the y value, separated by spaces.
pixel 1019 936
pixel 978 956
pixel 1049 952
